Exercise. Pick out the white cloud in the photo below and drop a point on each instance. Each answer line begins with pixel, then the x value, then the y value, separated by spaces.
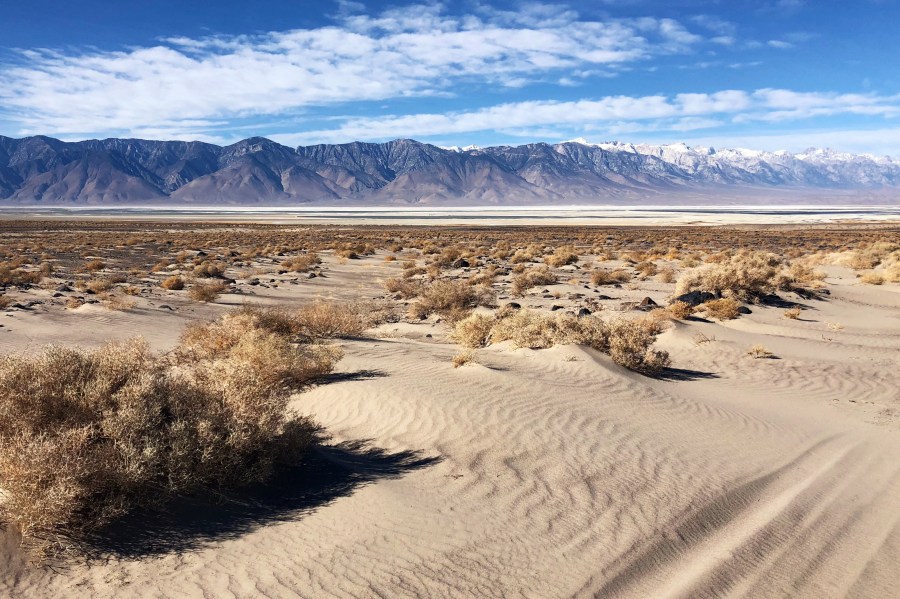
pixel 614 114
pixel 413 51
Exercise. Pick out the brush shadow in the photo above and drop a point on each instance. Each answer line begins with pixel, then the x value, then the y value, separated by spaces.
pixel 187 524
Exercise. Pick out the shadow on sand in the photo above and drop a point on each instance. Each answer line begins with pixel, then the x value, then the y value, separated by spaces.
pixel 326 473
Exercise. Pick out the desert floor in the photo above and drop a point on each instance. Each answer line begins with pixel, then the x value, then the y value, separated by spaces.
pixel 535 473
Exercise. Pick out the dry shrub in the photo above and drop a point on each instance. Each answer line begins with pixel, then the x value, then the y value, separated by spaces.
pixel 10 274
pixel 680 310
pixel 792 313
pixel 646 268
pixel 206 292
pixel 562 256
pixel 99 285
pixel 302 263
pixel 603 276
pixel 474 331
pixel 117 302
pixel 446 297
pixel 759 351
pixel 173 283
pixel 323 320
pixel 94 265
pixel 405 288
pixel 743 275
pixel 463 358
pixel 5 302
pixel 627 341
pixel 532 277
pixel 666 275
pixel 209 269
pixel 88 436
pixel 872 278
pixel 725 308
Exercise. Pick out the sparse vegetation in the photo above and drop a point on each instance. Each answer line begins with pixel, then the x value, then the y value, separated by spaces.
pixel 206 292
pixel 726 308
pixel 88 436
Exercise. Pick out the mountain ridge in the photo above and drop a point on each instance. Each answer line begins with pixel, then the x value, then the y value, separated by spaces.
pixel 257 171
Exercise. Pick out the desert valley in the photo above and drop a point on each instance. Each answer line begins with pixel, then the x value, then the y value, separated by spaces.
pixel 690 411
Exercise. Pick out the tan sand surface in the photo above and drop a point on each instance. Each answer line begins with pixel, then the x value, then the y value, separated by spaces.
pixel 553 473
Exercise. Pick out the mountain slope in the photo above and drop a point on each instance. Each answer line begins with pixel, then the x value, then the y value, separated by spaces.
pixel 257 171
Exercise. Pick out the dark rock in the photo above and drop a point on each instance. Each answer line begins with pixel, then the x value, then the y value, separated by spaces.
pixel 253 282
pixel 311 275
pixel 63 289
pixel 695 298
pixel 647 303
pixel 201 254
pixel 514 305
pixel 554 308
pixel 745 310
pixel 428 335
pixel 57 294
pixel 166 307
pixel 460 263
pixel 584 312
pixel 603 297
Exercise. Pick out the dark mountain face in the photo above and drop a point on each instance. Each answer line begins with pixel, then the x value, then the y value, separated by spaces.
pixel 258 171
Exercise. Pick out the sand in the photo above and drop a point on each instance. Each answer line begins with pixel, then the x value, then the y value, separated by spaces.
pixel 551 473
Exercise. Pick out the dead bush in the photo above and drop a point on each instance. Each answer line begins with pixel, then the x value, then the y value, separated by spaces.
pixel 562 256
pixel 603 276
pixel 447 296
pixel 680 310
pixel 206 292
pixel 725 308
pixel 474 331
pixel 173 283
pixel 302 263
pixel 88 436
pixel 532 277
pixel 743 275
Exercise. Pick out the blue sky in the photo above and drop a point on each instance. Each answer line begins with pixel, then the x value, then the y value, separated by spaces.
pixel 770 74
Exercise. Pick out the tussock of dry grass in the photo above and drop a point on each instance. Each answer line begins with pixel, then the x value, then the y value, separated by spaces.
pixel 87 436
pixel 532 277
pixel 602 276
pixel 725 308
pixel 627 341
pixel 562 256
pixel 173 283
pixel 302 263
pixel 206 292
pixel 452 297
pixel 746 274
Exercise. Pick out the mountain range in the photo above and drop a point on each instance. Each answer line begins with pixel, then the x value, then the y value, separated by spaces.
pixel 42 171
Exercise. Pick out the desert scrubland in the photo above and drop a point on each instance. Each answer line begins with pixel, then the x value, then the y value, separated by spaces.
pixel 242 410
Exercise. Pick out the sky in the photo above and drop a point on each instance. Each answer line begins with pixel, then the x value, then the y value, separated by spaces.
pixel 765 74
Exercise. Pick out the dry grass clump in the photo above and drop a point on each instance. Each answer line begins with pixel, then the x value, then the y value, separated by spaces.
pixel 173 283
pixel 627 341
pixel 209 269
pixel 94 265
pixel 872 278
pixel 666 274
pixel 117 302
pixel 323 320
pixel 206 292
pixel 448 297
pixel 743 275
pixel 725 308
pixel 646 268
pixel 532 277
pixel 680 310
pixel 562 256
pixel 12 274
pixel 759 352
pixel 603 276
pixel 474 331
pixel 5 302
pixel 463 358
pixel 405 288
pixel 302 263
pixel 792 313
pixel 88 436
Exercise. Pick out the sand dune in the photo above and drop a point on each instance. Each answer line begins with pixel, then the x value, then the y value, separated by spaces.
pixel 556 473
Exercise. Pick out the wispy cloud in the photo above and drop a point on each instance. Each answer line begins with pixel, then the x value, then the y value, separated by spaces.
pixel 615 114
pixel 416 51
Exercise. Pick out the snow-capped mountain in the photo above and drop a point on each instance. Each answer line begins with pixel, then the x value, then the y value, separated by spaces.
pixel 258 171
